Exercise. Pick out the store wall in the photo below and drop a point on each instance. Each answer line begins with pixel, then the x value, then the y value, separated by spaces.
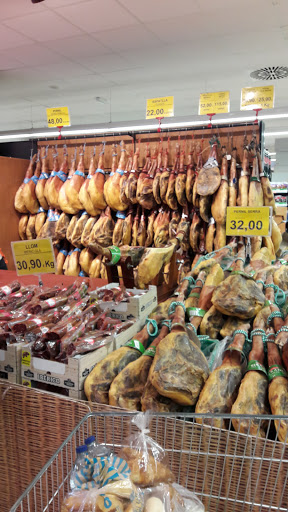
pixel 281 165
pixel 12 173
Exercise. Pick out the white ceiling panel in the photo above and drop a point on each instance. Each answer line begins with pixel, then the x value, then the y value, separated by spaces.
pixel 107 63
pixel 43 26
pixel 34 55
pixel 19 8
pixel 126 38
pixel 97 15
pixel 78 48
pixel 160 9
pixel 54 4
pixel 11 39
pixel 6 62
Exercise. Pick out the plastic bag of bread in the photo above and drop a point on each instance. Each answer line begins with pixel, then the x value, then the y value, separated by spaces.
pixel 147 461
pixel 171 498
pixel 117 496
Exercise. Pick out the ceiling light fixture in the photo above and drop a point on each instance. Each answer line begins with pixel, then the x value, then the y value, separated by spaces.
pixel 166 125
pixel 273 159
pixel 271 154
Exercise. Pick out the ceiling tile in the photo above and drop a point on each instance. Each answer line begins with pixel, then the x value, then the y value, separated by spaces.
pixel 95 16
pixel 43 26
pixel 161 9
pixel 79 47
pixel 6 62
pixel 107 63
pixel 34 55
pixel 54 4
pixel 126 38
pixel 19 8
pixel 11 39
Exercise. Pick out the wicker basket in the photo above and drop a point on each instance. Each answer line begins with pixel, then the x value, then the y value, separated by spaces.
pixel 33 424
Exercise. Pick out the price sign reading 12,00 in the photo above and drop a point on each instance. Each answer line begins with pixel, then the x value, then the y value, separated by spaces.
pixel 33 257
pixel 249 221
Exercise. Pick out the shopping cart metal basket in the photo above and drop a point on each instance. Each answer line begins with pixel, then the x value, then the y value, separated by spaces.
pixel 228 470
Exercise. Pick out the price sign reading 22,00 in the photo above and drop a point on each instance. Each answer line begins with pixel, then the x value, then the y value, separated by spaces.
pixel 249 221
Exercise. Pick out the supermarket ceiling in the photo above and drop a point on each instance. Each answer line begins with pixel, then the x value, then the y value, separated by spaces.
pixel 103 58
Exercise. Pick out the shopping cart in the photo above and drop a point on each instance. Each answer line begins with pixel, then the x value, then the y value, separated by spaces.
pixel 228 470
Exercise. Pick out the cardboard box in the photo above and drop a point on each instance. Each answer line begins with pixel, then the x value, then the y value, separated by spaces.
pixel 10 362
pixel 280 217
pixel 72 375
pixel 139 306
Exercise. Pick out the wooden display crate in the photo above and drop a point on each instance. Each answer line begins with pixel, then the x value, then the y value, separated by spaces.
pixel 139 306
pixel 69 376
pixel 10 362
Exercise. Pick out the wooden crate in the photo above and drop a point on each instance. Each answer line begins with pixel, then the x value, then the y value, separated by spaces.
pixel 10 363
pixel 70 376
pixel 139 306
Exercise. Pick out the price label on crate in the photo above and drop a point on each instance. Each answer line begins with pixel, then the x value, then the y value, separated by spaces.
pixel 33 257
pixel 58 116
pixel 214 103
pixel 160 107
pixel 249 221
pixel 257 97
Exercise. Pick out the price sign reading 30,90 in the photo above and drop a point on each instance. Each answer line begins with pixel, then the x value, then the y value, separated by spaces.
pixel 33 257
pixel 249 221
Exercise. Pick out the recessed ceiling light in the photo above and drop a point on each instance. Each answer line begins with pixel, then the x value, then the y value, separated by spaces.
pixel 53 86
pixel 270 73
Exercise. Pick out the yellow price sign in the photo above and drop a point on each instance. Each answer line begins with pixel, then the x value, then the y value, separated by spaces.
pixel 160 107
pixel 214 103
pixel 58 116
pixel 257 97
pixel 254 221
pixel 33 257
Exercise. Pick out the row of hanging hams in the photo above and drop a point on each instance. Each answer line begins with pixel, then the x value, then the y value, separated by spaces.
pixel 143 207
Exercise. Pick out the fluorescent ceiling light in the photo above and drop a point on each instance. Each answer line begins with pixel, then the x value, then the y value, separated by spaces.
pixel 271 154
pixel 273 159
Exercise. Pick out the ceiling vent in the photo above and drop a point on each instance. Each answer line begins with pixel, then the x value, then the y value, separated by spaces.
pixel 271 73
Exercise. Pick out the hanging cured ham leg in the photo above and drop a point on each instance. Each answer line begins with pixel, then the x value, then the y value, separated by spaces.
pixel 96 183
pixel 19 201
pixel 278 390
pixel 51 178
pixel 243 183
pixel 145 184
pixel 208 179
pixel 233 180
pixel 65 205
pixel 255 197
pixel 112 185
pixel 75 183
pixel 131 183
pixel 40 187
pixel 190 175
pixel 156 181
pixel 28 193
pixel 84 195
pixel 171 198
pixel 164 175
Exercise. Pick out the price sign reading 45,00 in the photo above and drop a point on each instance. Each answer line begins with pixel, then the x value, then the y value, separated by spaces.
pixel 33 257
pixel 249 221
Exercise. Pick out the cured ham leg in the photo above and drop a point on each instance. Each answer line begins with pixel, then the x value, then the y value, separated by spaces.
pixel 164 177
pixel 210 235
pixel 156 181
pixel 243 183
pixel 23 221
pixel 253 392
pixel 194 235
pixel 94 270
pixel 99 380
pixel 171 198
pixel 145 183
pixel 112 185
pixel 221 389
pixel 118 229
pixel 84 195
pixel 65 206
pixel 87 230
pixel 28 193
pixel 195 196
pixel 19 201
pixel 135 227
pixel 208 179
pixel 78 230
pixel 131 183
pixel 85 259
pixel 102 231
pixel 124 178
pixel 268 194
pixel 141 234
pixel 41 183
pixel 30 229
pixel 127 228
pixel 74 185
pixel 232 201
pixel 96 184
pixel 62 226
pixel 278 390
pixel 40 220
pixel 51 177
pixel 58 181
pixel 150 229
pixel 127 388
pixel 255 197
pixel 220 199
pixel 161 235
pixel 179 369
pixel 190 176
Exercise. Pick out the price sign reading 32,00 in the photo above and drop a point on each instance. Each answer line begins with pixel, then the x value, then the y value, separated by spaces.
pixel 249 221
